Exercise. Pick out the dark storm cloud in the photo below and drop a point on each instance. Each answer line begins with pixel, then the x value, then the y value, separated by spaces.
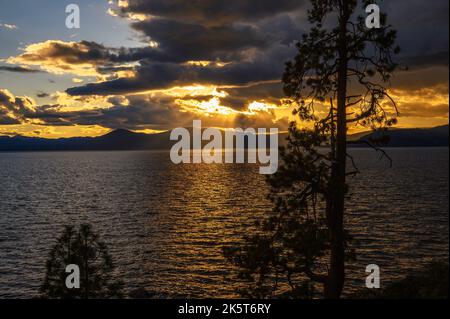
pixel 264 66
pixel 422 25
pixel 179 42
pixel 426 60
pixel 198 42
pixel 183 33
pixel 422 30
pixel 213 12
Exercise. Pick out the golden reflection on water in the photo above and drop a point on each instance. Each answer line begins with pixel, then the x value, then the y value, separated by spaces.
pixel 208 223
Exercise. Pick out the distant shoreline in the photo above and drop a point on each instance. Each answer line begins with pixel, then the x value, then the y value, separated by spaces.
pixel 123 140
pixel 351 146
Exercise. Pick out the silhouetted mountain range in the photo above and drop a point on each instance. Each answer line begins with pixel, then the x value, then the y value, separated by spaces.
pixel 437 136
pixel 127 140
pixel 115 140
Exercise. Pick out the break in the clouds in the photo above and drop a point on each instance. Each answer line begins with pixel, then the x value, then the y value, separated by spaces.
pixel 231 52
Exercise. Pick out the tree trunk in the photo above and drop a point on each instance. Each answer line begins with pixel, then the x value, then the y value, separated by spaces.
pixel 336 276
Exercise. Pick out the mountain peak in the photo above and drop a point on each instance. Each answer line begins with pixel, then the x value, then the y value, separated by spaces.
pixel 120 132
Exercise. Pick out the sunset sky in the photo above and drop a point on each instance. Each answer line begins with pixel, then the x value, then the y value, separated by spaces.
pixel 158 64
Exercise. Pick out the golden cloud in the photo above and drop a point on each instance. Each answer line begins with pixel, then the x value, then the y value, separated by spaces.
pixel 59 57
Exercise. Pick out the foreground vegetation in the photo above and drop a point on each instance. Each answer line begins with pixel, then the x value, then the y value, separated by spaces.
pixel 431 282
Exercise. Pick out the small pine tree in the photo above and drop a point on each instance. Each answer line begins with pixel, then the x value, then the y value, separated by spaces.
pixel 83 248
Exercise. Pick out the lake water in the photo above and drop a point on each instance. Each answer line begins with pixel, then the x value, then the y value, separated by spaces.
pixel 166 225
